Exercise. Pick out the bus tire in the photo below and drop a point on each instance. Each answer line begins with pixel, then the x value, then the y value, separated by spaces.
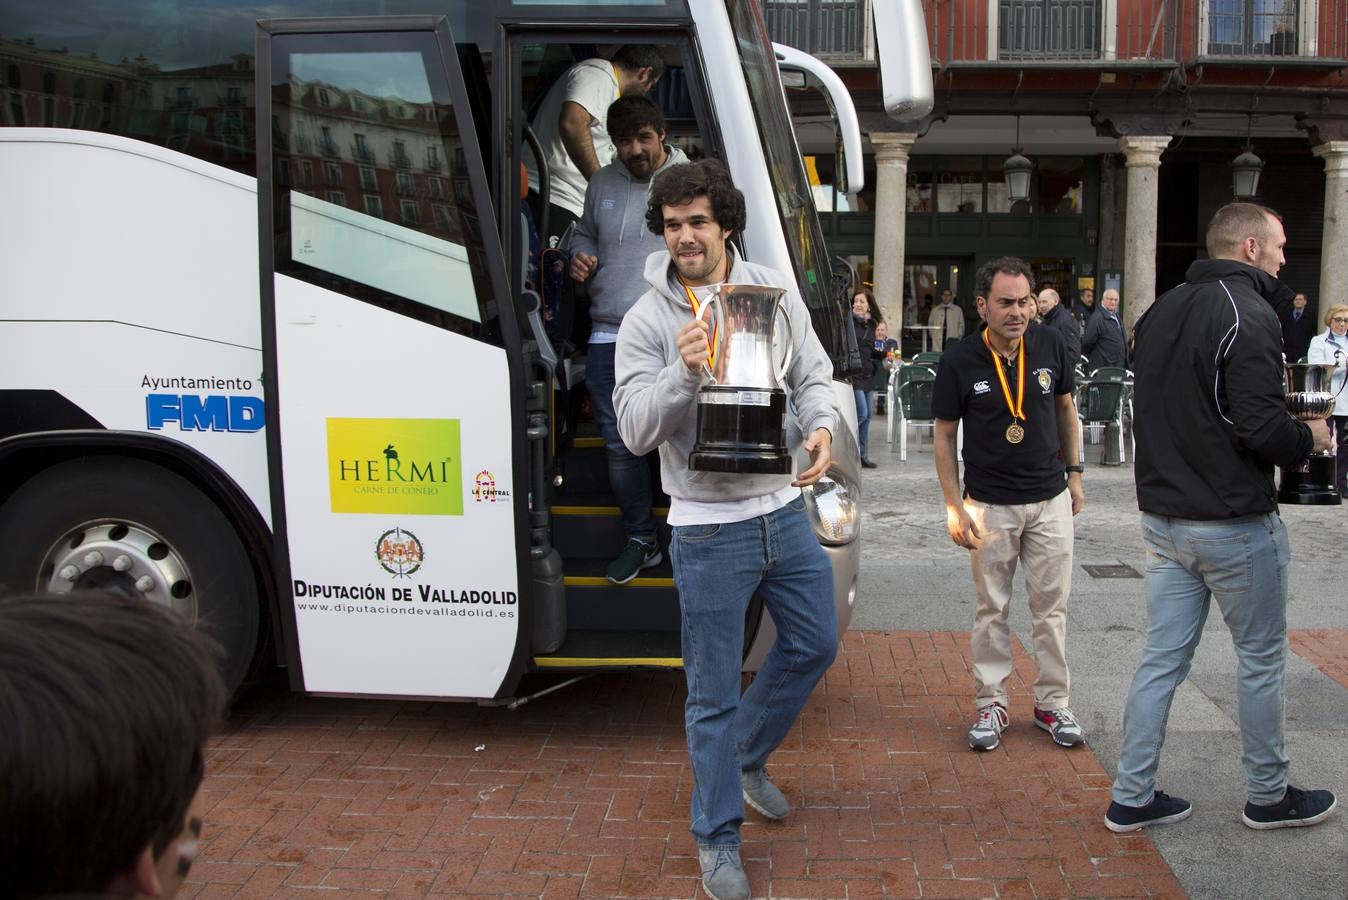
pixel 123 524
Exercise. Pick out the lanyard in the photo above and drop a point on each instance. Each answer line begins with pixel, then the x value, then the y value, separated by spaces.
pixel 616 78
pixel 1017 408
pixel 713 328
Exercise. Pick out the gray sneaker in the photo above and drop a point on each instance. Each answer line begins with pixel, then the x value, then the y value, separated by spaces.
pixel 763 795
pixel 637 555
pixel 723 877
pixel 987 731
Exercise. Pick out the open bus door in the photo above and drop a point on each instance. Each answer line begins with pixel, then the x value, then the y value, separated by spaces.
pixel 394 391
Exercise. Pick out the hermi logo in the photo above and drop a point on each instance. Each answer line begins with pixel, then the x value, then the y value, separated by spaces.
pixel 400 466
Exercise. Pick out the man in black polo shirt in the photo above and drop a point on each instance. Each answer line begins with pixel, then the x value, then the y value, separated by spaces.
pixel 1011 384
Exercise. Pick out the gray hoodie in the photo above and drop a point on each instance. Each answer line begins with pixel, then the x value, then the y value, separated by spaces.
pixel 656 395
pixel 613 229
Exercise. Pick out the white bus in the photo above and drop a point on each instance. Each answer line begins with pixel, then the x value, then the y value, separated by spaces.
pixel 271 353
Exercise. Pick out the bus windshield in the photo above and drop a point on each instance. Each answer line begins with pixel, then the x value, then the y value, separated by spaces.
pixel 795 202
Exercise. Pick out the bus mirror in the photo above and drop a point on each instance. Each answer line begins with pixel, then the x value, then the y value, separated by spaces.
pixel 904 59
pixel 812 73
pixel 793 80
pixel 839 171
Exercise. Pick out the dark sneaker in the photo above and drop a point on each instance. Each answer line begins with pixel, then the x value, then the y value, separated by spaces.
pixel 1060 723
pixel 867 464
pixel 1162 810
pixel 635 557
pixel 1296 809
pixel 987 731
pixel 763 795
pixel 723 877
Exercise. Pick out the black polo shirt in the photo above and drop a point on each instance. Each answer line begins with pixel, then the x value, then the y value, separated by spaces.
pixel 995 470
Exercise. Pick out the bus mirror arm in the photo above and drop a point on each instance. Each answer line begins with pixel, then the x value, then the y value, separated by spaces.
pixel 843 111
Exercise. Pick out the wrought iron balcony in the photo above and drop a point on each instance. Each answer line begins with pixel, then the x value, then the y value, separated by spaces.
pixel 836 31
pixel 1051 31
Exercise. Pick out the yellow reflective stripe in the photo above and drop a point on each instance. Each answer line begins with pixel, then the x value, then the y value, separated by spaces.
pixel 584 662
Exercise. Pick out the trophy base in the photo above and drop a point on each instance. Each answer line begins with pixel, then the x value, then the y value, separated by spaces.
pixel 741 431
pixel 1310 485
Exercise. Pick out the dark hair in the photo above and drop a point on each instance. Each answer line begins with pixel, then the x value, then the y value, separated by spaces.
pixel 107 703
pixel 1002 265
pixel 871 305
pixel 628 115
pixel 640 56
pixel 679 184
pixel 1233 223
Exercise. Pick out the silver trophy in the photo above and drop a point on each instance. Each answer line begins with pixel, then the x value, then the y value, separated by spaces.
pixel 741 414
pixel 1310 395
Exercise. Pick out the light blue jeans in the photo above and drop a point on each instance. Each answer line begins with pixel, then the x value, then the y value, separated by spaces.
pixel 718 569
pixel 1242 564
pixel 863 399
pixel 629 475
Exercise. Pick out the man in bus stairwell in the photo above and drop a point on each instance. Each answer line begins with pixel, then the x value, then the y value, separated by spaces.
pixel 1011 385
pixel 570 126
pixel 733 535
pixel 107 703
pixel 609 249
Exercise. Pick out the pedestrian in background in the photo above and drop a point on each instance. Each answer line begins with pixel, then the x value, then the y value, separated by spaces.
pixel 1104 343
pixel 1332 347
pixel 107 703
pixel 1211 422
pixel 1085 306
pixel 1011 386
pixel 1298 327
pixel 865 316
pixel 948 318
pixel 1053 314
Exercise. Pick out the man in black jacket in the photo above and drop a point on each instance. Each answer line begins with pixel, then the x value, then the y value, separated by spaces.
pixel 1104 342
pixel 1211 423
pixel 1298 327
pixel 1056 316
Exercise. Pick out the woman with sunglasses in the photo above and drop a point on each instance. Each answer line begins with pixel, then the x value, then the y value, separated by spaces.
pixel 1332 347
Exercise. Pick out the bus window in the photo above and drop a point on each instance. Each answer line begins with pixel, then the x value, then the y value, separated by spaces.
pixel 392 215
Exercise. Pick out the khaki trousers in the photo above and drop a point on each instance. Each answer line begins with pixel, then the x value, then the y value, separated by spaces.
pixel 1039 535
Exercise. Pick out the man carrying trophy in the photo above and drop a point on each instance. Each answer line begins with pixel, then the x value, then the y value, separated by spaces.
pixel 738 528
pixel 1211 421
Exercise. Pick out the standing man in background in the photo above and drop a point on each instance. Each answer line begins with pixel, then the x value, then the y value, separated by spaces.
pixel 1298 327
pixel 609 249
pixel 1104 343
pixel 949 318
pixel 1053 314
pixel 1212 422
pixel 570 127
pixel 1084 308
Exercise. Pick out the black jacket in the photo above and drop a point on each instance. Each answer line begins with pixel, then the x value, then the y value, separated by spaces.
pixel 1209 411
pixel 865 331
pixel 1060 319
pixel 1104 343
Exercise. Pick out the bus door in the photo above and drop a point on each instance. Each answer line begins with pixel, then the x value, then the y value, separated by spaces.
pixel 394 391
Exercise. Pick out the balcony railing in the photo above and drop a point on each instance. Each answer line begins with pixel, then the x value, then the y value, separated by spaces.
pixel 1020 31
pixel 837 31
pixel 1271 30
pixel 362 153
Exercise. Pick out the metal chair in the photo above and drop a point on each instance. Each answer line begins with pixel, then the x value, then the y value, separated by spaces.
pixel 1100 401
pixel 927 358
pixel 913 404
pixel 897 378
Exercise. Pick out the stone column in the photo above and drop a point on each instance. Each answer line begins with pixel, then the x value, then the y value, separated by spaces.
pixel 891 214
pixel 1143 155
pixel 1333 261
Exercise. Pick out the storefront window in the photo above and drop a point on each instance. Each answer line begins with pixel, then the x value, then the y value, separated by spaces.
pixel 959 185
pixel 1060 184
pixel 919 188
pixel 999 199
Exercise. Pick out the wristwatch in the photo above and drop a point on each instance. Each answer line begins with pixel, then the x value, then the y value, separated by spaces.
pixel 1078 469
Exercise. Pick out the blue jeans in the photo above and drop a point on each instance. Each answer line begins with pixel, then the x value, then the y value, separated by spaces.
pixel 629 476
pixel 718 569
pixel 863 399
pixel 1242 564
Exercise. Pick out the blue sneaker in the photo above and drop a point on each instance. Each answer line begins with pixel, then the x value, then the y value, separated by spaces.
pixel 763 795
pixel 1296 809
pixel 1162 810
pixel 723 877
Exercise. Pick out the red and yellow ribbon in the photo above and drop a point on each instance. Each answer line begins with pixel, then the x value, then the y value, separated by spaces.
pixel 1017 408
pixel 712 326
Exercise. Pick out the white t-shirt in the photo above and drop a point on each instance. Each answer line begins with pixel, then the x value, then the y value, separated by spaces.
pixel 593 84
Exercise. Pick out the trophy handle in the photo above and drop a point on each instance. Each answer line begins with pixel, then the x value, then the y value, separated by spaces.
pixel 790 343
pixel 702 316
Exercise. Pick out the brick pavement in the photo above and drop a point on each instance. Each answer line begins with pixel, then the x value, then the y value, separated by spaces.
pixel 1324 648
pixel 584 793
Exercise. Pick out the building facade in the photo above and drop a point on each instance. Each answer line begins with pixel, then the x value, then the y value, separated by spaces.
pixel 1130 113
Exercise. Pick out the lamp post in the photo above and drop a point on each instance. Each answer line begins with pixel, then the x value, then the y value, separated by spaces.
pixel 1245 170
pixel 1017 170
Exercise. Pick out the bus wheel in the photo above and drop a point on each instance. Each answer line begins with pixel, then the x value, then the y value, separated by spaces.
pixel 118 524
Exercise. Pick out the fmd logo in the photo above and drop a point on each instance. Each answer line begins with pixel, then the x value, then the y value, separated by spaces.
pixel 194 412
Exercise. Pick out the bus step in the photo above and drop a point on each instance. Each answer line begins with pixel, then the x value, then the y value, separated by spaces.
pixel 648 602
pixel 595 533
pixel 615 649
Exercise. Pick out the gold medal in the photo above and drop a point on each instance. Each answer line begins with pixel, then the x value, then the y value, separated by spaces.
pixel 1014 433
